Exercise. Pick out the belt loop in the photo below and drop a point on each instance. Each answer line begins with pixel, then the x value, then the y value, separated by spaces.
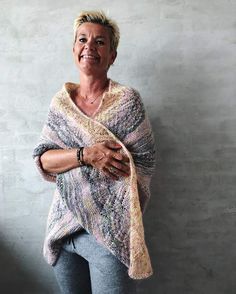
pixel 72 240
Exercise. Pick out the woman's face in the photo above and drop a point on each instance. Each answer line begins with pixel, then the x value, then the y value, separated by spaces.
pixel 92 49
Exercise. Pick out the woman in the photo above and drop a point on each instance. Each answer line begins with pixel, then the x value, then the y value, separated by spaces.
pixel 97 145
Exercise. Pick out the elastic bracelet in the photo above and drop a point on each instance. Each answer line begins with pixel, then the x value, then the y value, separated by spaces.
pixel 80 155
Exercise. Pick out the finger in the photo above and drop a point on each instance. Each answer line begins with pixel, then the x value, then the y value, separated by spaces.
pixel 109 174
pixel 120 166
pixel 120 173
pixel 125 158
pixel 112 145
pixel 121 157
pixel 117 172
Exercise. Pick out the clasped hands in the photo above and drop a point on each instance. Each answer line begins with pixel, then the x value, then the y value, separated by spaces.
pixel 106 157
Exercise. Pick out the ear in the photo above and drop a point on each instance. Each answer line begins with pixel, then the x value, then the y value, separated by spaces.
pixel 113 57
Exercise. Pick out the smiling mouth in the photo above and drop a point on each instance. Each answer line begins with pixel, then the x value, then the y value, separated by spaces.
pixel 89 57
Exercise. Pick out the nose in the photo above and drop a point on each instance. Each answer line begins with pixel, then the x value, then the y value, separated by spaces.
pixel 90 45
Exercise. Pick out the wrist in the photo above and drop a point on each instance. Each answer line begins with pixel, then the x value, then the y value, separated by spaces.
pixel 86 155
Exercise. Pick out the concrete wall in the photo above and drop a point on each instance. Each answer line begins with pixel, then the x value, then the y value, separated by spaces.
pixel 181 56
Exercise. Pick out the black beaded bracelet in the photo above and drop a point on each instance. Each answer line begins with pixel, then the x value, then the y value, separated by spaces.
pixel 80 155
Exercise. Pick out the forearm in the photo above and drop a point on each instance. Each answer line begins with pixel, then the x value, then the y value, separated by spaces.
pixel 58 161
pixel 104 156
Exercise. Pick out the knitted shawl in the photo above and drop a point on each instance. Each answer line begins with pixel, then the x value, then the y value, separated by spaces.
pixel 86 198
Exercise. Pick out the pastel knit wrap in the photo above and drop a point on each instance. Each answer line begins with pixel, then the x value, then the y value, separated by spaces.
pixel 85 197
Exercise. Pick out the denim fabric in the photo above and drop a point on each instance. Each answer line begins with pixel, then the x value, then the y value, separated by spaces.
pixel 84 266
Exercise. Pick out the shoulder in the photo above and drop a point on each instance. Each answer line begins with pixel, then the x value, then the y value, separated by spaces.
pixel 128 93
pixel 130 101
pixel 62 92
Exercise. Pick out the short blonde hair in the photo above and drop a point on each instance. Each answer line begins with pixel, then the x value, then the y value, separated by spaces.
pixel 99 17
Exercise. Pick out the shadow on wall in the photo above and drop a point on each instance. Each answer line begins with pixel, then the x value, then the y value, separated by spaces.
pixel 187 226
pixel 14 279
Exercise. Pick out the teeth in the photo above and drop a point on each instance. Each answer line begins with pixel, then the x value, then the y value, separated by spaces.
pixel 88 57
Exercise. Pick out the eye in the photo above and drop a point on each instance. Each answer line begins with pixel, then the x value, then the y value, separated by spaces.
pixel 100 42
pixel 82 40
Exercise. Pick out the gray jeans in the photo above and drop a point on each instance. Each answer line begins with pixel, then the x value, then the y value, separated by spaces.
pixel 84 267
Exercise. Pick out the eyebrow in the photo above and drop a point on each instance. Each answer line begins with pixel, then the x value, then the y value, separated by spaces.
pixel 99 36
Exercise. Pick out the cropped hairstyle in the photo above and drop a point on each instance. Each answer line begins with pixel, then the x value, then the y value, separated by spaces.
pixel 99 17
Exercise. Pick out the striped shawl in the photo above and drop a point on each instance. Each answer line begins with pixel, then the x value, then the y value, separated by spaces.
pixel 86 198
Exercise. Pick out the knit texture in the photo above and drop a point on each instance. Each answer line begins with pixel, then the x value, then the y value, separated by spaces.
pixel 85 197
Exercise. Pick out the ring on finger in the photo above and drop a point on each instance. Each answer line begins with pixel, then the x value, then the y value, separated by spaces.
pixel 112 169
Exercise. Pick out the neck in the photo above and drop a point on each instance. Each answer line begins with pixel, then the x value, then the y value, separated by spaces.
pixel 90 85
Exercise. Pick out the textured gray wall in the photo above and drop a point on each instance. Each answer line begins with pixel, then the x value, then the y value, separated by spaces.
pixel 181 56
